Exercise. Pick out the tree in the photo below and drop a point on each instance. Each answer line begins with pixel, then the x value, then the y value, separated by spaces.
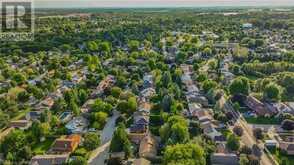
pixel 91 141
pixel 83 96
pixel 207 51
pixel 133 45
pixel 132 104
pixel 240 85
pixel 175 130
pixel 40 130
pixel 99 119
pixel 19 78
pixel 233 142
pixel 78 160
pixel 238 130
pixel 184 154
pixel 23 96
pixel 272 92
pixel 14 143
pixel 257 132
pixel 101 106
pixel 92 46
pixel 120 141
pixel 104 47
pixel 167 103
pixel 116 91
pixel 59 105
pixel 74 107
pixel 166 79
pixel 123 106
pixel 243 160
pixel 208 85
pixel 4 119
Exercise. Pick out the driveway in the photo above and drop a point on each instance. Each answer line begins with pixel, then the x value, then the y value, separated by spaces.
pixel 100 154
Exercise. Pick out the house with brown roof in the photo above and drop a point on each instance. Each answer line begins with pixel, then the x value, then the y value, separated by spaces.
pixel 286 144
pixel 139 129
pixel 224 159
pixel 105 83
pixel 66 144
pixel 148 93
pixel 49 159
pixel 209 130
pixel 21 124
pixel 258 107
pixel 148 147
pixel 47 103
pixel 145 107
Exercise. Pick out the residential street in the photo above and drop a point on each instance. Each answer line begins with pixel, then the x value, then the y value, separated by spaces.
pixel 249 139
pixel 99 155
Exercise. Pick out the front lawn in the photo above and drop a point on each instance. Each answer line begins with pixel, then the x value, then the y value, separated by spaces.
pixel 42 147
pixel 262 120
pixel 282 158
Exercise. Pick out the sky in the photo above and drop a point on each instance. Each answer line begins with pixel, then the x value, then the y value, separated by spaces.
pixel 157 3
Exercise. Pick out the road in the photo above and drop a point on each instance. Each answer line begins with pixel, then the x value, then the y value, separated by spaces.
pixel 248 137
pixel 100 154
pixel 249 140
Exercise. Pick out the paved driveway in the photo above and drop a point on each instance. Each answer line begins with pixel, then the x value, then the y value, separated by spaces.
pixel 100 154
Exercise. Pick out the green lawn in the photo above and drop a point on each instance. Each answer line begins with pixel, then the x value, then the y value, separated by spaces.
pixel 262 120
pixel 283 159
pixel 42 147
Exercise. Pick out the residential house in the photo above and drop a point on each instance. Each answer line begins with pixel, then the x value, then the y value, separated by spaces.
pixel 144 107
pixel 137 132
pixel 193 108
pixel 196 98
pixel 139 129
pixel 87 106
pixel 65 116
pixel 286 143
pixel 33 115
pixel 148 80
pixel 271 143
pixel 186 79
pixel 187 69
pixel 141 117
pixel 291 106
pixel 104 84
pixel 21 124
pixel 49 159
pixel 47 103
pixel 148 93
pixel 66 144
pixel 228 77
pixel 224 159
pixel 258 107
pixel 204 115
pixel 247 26
pixel 148 147
pixel 68 84
pixel 209 130
pixel 77 125
pixel 221 147
pixel 192 89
